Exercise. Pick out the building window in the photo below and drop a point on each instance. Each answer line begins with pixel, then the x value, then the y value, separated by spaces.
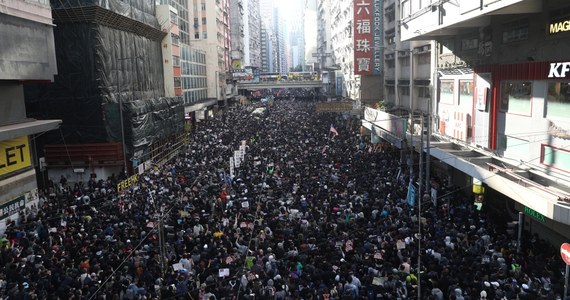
pixel 203 21
pixel 516 96
pixel 404 91
pixel 204 35
pixel 390 40
pixel 390 63
pixel 176 61
pixel 555 157
pixel 390 90
pixel 423 92
pixel 405 9
pixel 196 35
pixel 465 91
pixel 515 31
pixel 424 58
pixel 446 92
pixel 515 146
pixel 175 39
pixel 203 6
pixel 558 100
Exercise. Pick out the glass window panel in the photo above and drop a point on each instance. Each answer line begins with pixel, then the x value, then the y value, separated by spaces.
pixel 465 91
pixel 447 92
pixel 558 100
pixel 516 97
pixel 554 157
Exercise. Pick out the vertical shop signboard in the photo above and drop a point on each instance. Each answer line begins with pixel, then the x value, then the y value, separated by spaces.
pixel 368 41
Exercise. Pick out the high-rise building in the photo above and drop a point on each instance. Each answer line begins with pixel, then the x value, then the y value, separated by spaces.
pixel 168 18
pixel 501 99
pixel 237 32
pixel 310 34
pixel 269 37
pixel 245 24
pixel 297 48
pixel 27 53
pixel 109 92
pixel 341 13
pixel 267 48
pixel 211 34
pixel 408 67
pixel 252 34
pixel 281 41
pixel 184 66
pixel 327 68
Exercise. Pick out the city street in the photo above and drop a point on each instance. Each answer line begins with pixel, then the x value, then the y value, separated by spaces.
pixel 313 211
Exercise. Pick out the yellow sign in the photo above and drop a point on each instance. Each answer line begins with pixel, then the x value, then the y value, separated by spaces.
pixel 127 183
pixel 561 26
pixel 333 106
pixel 14 155
pixel 236 64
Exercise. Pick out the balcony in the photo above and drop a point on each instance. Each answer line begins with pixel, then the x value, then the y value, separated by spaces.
pixel 38 10
pixel 446 18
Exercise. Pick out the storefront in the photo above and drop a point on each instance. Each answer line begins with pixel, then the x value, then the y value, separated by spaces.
pixel 389 127
pixel 530 112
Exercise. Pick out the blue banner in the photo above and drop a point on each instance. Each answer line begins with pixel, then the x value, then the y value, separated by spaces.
pixel 339 86
pixel 411 198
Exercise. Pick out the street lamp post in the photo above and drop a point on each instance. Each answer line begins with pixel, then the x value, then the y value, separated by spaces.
pixel 411 163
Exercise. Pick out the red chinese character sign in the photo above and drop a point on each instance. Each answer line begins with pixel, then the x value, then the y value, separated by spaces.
pixel 368 37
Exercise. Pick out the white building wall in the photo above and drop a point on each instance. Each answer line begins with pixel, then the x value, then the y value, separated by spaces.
pixel 474 33
pixel 212 46
pixel 310 32
pixel 254 40
pixel 421 17
pixel 163 14
pixel 342 42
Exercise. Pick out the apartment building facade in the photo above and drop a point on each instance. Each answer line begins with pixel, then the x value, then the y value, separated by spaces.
pixel 502 102
pixel 27 53
pixel 211 34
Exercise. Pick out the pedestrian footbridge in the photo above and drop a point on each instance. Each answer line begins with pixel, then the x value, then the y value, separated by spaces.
pixel 281 85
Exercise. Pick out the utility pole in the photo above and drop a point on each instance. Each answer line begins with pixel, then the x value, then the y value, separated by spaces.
pixel 428 155
pixel 420 198
pixel 161 242
pixel 411 97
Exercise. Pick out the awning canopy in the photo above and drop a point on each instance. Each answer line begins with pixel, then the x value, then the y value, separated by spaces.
pixel 28 127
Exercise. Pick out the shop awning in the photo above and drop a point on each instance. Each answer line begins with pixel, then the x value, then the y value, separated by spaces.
pixel 29 127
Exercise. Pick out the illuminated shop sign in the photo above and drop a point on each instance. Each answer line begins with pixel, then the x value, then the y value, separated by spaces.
pixel 560 26
pixel 14 155
pixel 558 70
pixel 536 215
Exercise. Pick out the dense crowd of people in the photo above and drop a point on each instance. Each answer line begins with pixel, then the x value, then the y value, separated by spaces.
pixel 313 211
